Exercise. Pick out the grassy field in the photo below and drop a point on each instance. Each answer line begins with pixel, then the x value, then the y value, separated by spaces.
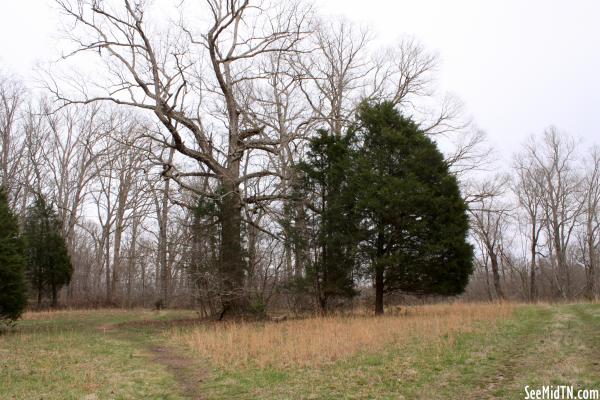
pixel 459 351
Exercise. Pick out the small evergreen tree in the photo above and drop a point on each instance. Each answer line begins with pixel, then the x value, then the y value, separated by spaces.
pixel 13 291
pixel 414 219
pixel 48 262
pixel 327 173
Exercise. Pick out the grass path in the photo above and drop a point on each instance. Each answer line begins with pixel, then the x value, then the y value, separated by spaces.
pixel 128 355
pixel 543 346
pixel 85 355
pixel 181 367
pixel 145 335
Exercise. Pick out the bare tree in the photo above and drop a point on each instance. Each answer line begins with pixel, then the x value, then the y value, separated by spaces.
pixel 342 69
pixel 12 99
pixel 489 215
pixel 160 198
pixel 68 155
pixel 554 158
pixel 529 190
pixel 591 232
pixel 129 165
pixel 163 76
pixel 103 197
pixel 469 153
pixel 32 176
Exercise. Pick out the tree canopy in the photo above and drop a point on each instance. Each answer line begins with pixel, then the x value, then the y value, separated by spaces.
pixel 13 290
pixel 388 208
pixel 48 262
pixel 327 174
pixel 414 219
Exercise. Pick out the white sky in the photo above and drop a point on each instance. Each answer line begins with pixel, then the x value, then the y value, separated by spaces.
pixel 518 65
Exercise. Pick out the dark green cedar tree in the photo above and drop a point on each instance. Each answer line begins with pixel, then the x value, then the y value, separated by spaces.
pixel 48 263
pixel 413 218
pixel 13 289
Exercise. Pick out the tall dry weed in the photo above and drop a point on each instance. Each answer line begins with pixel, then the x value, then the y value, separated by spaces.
pixel 318 340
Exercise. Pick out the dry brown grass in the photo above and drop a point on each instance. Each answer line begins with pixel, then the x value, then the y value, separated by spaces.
pixel 73 313
pixel 320 340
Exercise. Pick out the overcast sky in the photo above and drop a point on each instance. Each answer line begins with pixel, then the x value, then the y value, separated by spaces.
pixel 519 66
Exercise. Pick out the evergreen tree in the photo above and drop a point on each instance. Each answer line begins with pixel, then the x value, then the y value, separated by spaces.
pixel 48 262
pixel 327 174
pixel 13 289
pixel 414 219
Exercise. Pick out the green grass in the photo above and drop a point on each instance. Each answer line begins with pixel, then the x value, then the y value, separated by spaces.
pixel 70 356
pixel 67 356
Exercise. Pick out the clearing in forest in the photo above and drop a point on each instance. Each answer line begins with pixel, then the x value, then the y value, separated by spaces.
pixel 446 351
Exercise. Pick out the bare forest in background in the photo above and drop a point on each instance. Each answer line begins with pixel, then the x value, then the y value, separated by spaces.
pixel 171 125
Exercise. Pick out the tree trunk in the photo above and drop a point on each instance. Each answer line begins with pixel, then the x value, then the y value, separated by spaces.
pixel 119 226
pixel 496 275
pixel 563 286
pixel 532 283
pixel 231 263
pixel 143 271
pixel 591 270
pixel 323 304
pixel 54 296
pixel 287 251
pixel 378 290
pixel 488 287
pixel 107 262
pixel 162 258
pixel 379 270
pixel 300 256
pixel 132 258
pixel 39 292
pixel 162 215
pixel 116 263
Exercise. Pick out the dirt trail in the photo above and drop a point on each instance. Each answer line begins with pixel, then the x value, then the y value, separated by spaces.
pixel 188 378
